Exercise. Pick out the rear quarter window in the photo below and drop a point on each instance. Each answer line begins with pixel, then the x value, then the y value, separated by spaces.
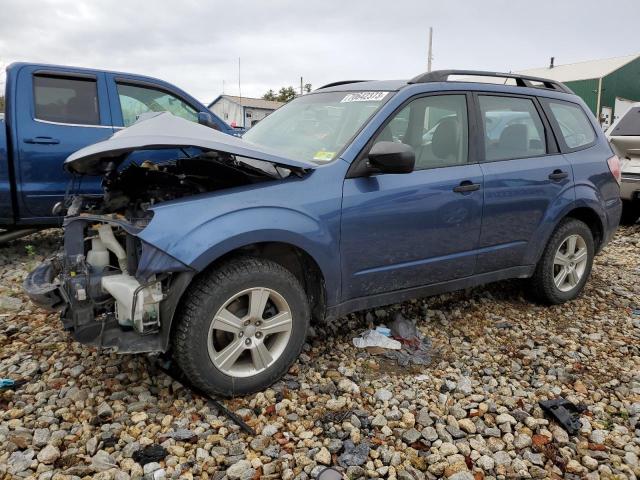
pixel 575 127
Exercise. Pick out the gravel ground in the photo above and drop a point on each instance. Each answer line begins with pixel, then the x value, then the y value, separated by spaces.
pixel 472 412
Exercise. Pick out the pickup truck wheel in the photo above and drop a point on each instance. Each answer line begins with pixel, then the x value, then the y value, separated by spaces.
pixel 241 326
pixel 565 264
pixel 630 212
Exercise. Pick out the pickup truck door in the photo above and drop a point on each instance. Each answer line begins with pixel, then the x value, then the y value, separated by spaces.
pixel 57 111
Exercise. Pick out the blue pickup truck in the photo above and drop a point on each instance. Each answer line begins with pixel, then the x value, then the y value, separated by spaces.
pixel 52 111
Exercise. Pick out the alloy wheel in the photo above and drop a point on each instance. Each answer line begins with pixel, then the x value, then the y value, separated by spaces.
pixel 570 262
pixel 250 332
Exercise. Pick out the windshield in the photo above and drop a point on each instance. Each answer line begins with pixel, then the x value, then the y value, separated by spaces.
pixel 316 127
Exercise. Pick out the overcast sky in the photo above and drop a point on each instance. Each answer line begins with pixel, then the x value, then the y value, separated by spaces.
pixel 195 44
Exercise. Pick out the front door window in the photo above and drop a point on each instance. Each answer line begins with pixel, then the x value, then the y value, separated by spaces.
pixel 136 100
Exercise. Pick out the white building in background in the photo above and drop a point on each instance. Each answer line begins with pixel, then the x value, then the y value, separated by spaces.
pixel 242 112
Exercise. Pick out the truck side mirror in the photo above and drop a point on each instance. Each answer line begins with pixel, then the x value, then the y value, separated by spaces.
pixel 206 119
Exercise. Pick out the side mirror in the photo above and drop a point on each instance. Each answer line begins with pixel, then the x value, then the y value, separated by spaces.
pixel 206 119
pixel 392 157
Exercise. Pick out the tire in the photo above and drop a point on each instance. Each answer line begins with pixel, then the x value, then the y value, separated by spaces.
pixel 208 320
pixel 543 282
pixel 630 212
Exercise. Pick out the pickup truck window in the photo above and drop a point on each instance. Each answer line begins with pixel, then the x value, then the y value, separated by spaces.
pixel 135 100
pixel 66 100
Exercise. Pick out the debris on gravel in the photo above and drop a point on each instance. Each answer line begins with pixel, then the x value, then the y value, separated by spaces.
pixel 471 412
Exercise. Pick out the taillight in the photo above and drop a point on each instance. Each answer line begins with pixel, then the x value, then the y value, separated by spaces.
pixel 616 168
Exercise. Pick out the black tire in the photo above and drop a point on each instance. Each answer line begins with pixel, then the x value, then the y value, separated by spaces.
pixel 207 295
pixel 630 212
pixel 542 283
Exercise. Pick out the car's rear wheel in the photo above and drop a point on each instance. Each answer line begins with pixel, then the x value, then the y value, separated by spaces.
pixel 565 264
pixel 241 326
pixel 630 212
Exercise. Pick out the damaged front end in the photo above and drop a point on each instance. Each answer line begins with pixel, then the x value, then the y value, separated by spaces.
pixel 113 289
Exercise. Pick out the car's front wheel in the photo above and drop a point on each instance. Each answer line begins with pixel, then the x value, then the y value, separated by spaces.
pixel 565 264
pixel 241 326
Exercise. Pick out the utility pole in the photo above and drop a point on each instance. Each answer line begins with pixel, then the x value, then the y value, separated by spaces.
pixel 430 55
pixel 240 95
pixel 300 85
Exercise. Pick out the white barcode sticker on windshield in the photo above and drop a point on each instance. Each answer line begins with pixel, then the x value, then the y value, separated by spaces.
pixel 364 97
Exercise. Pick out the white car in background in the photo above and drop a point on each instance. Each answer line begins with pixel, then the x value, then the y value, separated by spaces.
pixel 624 136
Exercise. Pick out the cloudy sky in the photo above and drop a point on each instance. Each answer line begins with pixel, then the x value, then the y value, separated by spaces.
pixel 196 43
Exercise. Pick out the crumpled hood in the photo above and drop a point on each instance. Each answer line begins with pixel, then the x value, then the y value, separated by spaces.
pixel 163 130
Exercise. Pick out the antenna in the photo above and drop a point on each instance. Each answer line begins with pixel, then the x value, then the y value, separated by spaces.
pixel 430 54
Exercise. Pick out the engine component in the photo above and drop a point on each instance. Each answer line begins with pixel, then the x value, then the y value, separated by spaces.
pixel 137 306
pixel 98 256
pixel 109 240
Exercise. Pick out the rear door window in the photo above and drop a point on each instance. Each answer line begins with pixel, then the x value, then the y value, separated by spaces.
pixel 575 127
pixel 512 128
pixel 136 100
pixel 66 100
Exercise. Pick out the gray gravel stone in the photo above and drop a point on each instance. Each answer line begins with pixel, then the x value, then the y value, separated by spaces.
pixel 40 437
pixel 384 395
pixel 102 461
pixel 598 436
pixel 410 436
pixel 48 454
pixel 240 470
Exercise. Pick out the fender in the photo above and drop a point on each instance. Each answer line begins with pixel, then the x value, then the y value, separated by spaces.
pixel 200 246
pixel 585 197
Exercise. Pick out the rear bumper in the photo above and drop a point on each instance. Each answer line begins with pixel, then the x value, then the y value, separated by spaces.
pixel 41 285
pixel 630 187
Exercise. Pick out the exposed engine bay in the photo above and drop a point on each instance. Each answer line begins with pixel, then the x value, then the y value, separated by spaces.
pixel 114 290
pixel 131 190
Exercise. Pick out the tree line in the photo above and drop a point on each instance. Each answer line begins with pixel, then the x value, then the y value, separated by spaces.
pixel 285 94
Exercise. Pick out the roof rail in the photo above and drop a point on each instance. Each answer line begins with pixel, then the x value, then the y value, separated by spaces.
pixel 521 80
pixel 341 82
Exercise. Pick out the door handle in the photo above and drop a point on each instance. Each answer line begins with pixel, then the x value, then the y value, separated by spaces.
pixel 42 140
pixel 467 186
pixel 558 175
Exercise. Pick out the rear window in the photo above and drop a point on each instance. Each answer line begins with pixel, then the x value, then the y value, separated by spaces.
pixel 66 100
pixel 575 127
pixel 629 124
pixel 512 127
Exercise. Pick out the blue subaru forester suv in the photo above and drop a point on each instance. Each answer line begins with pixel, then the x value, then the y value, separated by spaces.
pixel 357 195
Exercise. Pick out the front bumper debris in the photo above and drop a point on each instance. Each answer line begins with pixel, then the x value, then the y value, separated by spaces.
pixel 42 287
